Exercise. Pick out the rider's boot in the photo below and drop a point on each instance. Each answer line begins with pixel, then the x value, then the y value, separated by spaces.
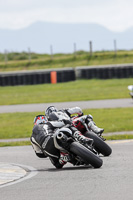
pixel 64 158
pixel 82 139
pixel 94 128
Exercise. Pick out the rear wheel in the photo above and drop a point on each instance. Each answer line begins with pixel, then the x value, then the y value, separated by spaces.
pixel 100 146
pixel 87 156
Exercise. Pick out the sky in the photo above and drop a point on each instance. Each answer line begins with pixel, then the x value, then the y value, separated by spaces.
pixel 116 15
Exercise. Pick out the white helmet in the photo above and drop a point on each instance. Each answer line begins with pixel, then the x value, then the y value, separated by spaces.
pixel 49 110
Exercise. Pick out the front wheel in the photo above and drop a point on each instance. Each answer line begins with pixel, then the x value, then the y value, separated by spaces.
pixel 100 146
pixel 87 156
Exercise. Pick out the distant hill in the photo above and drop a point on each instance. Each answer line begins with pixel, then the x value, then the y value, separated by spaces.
pixel 40 35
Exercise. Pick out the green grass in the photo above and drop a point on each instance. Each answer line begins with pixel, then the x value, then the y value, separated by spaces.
pixel 119 137
pixel 16 125
pixel 19 125
pixel 21 143
pixel 20 61
pixel 113 120
pixel 79 90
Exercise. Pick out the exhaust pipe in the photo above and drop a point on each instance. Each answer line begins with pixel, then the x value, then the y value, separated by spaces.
pixel 60 136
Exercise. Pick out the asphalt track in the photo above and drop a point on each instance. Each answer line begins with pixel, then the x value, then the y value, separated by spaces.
pixel 24 176
pixel 114 180
pixel 109 103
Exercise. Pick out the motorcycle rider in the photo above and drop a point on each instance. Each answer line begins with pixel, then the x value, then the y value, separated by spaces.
pixel 75 110
pixel 42 140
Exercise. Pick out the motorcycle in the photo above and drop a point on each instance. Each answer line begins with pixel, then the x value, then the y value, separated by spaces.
pixel 79 122
pixel 85 155
pixel 130 87
pixel 99 142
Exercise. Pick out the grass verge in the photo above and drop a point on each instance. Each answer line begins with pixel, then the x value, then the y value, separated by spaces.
pixel 19 125
pixel 21 143
pixel 79 90
pixel 119 137
pixel 20 61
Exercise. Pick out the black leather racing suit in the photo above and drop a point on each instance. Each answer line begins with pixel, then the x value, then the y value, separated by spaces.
pixel 43 143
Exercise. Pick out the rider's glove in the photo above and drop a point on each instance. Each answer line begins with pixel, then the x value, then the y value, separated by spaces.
pixel 82 119
pixel 67 121
pixel 90 117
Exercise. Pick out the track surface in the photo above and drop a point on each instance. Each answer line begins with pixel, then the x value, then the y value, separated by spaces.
pixel 109 103
pixel 114 180
pixel 37 179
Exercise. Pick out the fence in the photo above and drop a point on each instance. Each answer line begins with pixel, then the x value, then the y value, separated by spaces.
pixel 105 72
pixel 65 75
pixel 35 77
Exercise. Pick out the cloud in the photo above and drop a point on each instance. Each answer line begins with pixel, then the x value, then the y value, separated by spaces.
pixel 116 15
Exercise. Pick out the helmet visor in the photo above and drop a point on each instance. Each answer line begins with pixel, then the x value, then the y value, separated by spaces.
pixel 49 110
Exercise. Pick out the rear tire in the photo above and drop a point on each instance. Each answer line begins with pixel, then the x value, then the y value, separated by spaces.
pixel 87 156
pixel 100 146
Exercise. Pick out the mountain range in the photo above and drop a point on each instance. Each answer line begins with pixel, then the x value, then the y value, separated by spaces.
pixel 40 36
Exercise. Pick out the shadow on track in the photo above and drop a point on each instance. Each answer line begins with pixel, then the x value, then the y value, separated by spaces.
pixel 63 169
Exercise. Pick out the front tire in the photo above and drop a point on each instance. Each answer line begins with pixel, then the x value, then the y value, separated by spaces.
pixel 88 156
pixel 100 146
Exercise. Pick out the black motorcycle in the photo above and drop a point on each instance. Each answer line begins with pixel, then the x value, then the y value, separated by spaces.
pixel 99 142
pixel 100 146
pixel 83 154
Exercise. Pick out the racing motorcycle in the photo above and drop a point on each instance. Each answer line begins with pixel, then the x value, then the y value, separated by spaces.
pixel 130 87
pixel 83 154
pixel 99 141
pixel 100 146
